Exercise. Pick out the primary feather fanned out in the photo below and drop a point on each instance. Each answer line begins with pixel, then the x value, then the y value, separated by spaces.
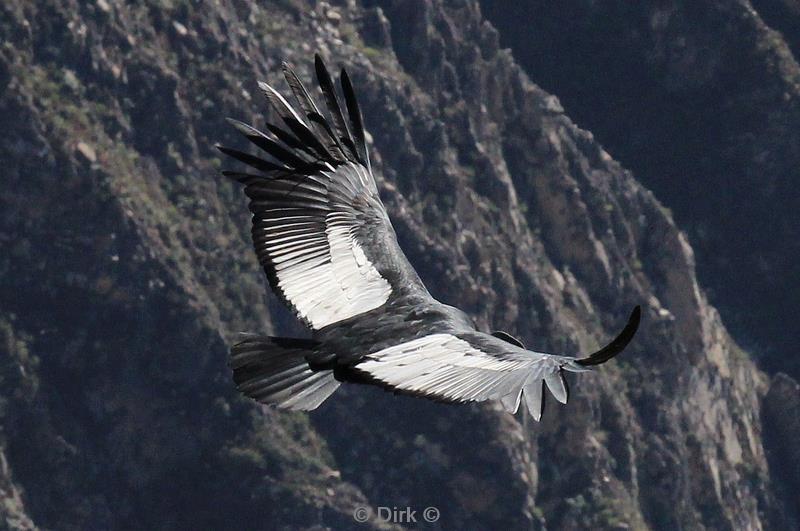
pixel 313 204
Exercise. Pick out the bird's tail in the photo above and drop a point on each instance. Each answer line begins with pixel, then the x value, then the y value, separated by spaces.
pixel 274 370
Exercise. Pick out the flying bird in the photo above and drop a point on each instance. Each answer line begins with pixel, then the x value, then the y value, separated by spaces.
pixel 329 251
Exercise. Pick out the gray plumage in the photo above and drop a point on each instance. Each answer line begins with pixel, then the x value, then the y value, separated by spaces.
pixel 329 251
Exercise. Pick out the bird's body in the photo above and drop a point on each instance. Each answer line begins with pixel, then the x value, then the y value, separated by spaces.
pixel 401 320
pixel 330 253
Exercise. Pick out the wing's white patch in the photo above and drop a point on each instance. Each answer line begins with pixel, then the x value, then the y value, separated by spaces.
pixel 326 276
pixel 448 367
pixel 305 234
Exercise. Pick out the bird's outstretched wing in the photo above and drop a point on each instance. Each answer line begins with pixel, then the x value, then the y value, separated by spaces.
pixel 320 229
pixel 472 366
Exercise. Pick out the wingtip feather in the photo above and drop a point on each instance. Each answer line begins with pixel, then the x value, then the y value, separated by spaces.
pixel 535 399
pixel 618 344
pixel 263 85
pixel 557 386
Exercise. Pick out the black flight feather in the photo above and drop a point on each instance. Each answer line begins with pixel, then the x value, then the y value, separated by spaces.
pixel 250 160
pixel 337 144
pixel 301 95
pixel 618 344
pixel 332 101
pixel 271 147
pixel 304 134
pixel 290 140
pixel 508 338
pixel 356 119
pixel 280 105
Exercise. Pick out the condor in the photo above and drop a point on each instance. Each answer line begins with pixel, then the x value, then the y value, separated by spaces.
pixel 330 253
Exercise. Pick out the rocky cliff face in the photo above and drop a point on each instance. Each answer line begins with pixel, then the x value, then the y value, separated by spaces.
pixel 700 100
pixel 129 270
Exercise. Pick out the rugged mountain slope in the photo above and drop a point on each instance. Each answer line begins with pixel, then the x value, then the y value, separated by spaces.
pixel 700 100
pixel 129 269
